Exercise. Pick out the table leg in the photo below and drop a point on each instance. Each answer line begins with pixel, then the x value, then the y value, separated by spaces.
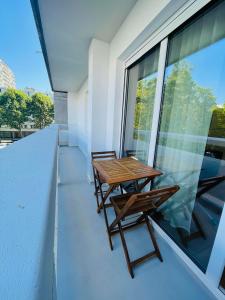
pixel 143 184
pixel 104 198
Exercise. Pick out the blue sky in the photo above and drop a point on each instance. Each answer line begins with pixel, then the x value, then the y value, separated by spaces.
pixel 208 69
pixel 19 44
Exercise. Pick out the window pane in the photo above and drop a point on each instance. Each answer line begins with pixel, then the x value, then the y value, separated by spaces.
pixel 140 100
pixel 191 141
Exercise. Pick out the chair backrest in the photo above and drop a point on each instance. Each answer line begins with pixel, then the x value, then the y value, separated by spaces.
pixel 103 155
pixel 148 201
pixel 208 183
pixel 130 153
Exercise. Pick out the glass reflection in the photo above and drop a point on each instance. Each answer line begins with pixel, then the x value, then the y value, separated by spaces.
pixel 191 141
pixel 140 100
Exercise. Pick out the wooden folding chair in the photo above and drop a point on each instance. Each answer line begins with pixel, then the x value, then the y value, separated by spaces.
pixel 206 184
pixel 98 181
pixel 132 204
pixel 134 153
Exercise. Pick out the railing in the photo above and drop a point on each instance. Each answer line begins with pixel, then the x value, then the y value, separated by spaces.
pixel 28 176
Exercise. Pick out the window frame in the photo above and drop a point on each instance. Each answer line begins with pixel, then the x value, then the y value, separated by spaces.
pixel 161 62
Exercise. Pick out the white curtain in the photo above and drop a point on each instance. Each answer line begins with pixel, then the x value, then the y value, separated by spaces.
pixel 187 113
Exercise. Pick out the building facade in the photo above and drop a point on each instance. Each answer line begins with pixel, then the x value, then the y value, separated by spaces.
pixel 152 85
pixel 7 77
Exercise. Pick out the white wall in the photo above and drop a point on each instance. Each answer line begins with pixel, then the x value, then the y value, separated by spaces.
pixel 145 17
pixel 106 78
pixel 87 116
pixel 72 119
pixel 78 118
pixel 82 119
pixel 60 108
pixel 27 216
pixel 97 93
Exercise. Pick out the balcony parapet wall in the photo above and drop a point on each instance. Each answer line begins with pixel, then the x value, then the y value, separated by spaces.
pixel 28 176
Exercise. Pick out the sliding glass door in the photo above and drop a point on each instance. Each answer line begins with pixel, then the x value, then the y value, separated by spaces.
pixel 191 141
pixel 142 78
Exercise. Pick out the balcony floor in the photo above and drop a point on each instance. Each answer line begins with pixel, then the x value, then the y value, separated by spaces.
pixel 88 270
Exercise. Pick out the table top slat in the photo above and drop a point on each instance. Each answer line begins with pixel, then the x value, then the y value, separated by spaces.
pixel 124 169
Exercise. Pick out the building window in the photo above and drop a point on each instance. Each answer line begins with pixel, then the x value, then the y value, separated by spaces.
pixel 142 78
pixel 191 139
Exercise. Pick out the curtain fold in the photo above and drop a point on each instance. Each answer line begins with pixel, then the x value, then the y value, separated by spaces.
pixel 187 112
pixel 203 32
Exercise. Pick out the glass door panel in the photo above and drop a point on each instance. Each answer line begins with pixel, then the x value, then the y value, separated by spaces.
pixel 191 140
pixel 139 107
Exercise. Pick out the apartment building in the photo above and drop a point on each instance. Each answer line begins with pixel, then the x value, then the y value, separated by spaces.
pixel 7 77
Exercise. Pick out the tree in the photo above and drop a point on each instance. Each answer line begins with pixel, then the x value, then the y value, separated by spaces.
pixel 217 126
pixel 188 108
pixel 186 103
pixel 145 95
pixel 41 110
pixel 13 108
pixel 1 116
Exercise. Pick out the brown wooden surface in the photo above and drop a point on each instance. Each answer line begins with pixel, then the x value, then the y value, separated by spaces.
pixel 123 169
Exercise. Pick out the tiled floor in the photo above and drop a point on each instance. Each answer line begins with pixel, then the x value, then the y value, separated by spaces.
pixel 88 270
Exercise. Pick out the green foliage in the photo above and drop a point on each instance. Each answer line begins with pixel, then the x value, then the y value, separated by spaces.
pixel 187 104
pixel 144 103
pixel 191 108
pixel 13 108
pixel 16 108
pixel 41 110
pixel 217 126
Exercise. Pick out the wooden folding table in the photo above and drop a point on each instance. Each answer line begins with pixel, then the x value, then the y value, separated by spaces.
pixel 117 171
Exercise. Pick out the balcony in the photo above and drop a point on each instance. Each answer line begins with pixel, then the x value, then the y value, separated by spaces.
pixel 126 75
pixel 54 244
pixel 86 267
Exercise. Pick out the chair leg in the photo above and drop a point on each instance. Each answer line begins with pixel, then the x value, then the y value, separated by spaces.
pixel 101 192
pixel 130 269
pixel 140 219
pixel 121 189
pixel 96 188
pixel 153 238
pixel 136 185
pixel 107 227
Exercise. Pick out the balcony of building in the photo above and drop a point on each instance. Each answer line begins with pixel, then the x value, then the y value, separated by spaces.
pixel 53 243
pixel 88 269
pixel 102 61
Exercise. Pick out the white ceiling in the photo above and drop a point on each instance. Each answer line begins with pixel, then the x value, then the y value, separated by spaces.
pixel 69 26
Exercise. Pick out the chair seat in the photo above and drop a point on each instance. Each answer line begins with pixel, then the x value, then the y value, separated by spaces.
pixel 119 201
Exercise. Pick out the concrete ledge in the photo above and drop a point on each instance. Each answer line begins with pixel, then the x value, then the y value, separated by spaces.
pixel 27 216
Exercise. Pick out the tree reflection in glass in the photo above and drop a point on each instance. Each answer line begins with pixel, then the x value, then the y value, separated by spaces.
pixel 140 101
